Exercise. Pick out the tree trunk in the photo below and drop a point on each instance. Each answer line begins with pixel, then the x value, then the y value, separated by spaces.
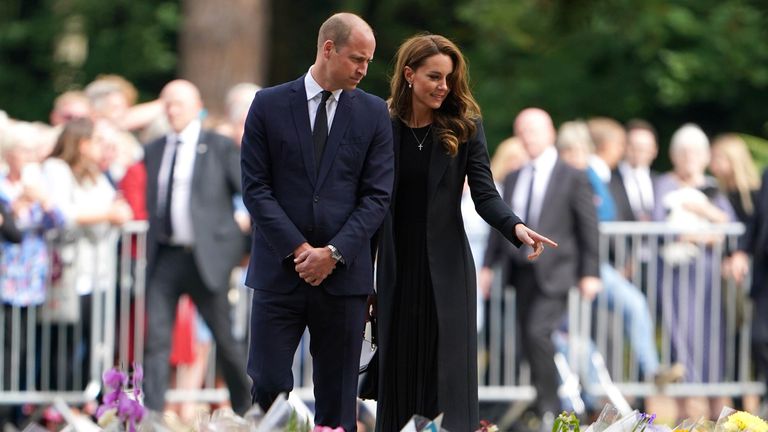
pixel 223 44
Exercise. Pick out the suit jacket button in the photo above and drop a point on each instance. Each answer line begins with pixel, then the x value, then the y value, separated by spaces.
pixel 317 198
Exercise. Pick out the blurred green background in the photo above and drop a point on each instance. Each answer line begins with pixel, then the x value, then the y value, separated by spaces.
pixel 670 62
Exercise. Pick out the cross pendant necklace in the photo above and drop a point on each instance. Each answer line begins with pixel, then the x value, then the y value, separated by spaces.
pixel 421 141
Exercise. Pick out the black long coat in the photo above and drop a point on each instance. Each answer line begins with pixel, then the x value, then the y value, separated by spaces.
pixel 755 242
pixel 451 268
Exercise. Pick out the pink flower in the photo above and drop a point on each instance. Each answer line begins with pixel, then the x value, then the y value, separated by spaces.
pixel 319 428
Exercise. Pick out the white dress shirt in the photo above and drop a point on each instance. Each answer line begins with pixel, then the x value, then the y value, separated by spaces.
pixel 639 188
pixel 183 233
pixel 314 95
pixel 543 171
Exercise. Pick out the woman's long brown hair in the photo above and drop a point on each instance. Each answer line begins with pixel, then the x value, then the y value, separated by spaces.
pixel 455 121
pixel 67 148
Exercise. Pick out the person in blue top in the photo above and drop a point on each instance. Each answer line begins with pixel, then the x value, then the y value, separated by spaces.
pixel 575 146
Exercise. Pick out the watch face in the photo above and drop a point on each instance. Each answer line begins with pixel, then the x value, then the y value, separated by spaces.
pixel 335 253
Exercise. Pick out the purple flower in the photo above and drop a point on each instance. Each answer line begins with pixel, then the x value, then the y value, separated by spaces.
pixel 138 376
pixel 124 406
pixel 111 397
pixel 136 414
pixel 114 379
pixel 124 403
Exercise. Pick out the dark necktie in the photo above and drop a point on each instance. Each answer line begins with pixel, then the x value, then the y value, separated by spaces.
pixel 320 130
pixel 167 226
pixel 529 199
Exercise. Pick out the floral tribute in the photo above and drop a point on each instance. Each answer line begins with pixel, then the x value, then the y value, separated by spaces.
pixel 121 407
pixel 739 421
pixel 610 420
pixel 486 426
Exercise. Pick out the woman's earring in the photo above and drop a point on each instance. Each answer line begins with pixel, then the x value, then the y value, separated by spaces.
pixel 410 84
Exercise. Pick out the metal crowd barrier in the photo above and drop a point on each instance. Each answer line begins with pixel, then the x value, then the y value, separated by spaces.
pixel 638 249
pixel 702 318
pixel 648 254
pixel 57 351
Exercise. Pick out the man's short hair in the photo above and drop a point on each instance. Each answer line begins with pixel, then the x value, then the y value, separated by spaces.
pixel 337 28
pixel 605 131
pixel 641 124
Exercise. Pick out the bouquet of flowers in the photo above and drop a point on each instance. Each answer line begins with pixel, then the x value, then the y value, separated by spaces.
pixel 566 422
pixel 486 426
pixel 610 420
pixel 419 423
pixel 731 420
pixel 121 407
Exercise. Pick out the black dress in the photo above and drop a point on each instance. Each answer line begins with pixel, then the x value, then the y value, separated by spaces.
pixel 411 384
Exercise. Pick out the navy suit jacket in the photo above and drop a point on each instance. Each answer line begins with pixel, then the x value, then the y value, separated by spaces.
pixel 342 203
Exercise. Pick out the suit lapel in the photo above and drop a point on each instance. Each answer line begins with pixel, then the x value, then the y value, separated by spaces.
pixel 201 153
pixel 300 112
pixel 341 120
pixel 546 200
pixel 509 187
pixel 437 165
pixel 152 161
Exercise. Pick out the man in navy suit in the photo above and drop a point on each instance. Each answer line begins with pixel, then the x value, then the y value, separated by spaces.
pixel 317 168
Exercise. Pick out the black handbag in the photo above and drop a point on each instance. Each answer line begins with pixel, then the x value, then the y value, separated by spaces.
pixel 368 380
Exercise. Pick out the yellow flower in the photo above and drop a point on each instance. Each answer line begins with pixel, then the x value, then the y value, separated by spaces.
pixel 744 421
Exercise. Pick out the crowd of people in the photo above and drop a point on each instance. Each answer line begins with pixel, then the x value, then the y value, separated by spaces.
pixel 65 190
pixel 314 200
pixel 620 185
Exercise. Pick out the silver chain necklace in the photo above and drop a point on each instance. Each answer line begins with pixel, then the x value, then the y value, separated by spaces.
pixel 421 141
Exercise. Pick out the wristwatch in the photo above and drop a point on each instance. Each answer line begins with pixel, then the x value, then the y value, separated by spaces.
pixel 335 254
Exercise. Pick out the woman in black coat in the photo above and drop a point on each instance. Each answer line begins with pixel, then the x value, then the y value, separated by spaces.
pixel 425 275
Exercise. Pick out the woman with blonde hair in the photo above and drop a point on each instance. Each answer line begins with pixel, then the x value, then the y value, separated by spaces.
pixel 736 173
pixel 509 156
pixel 425 275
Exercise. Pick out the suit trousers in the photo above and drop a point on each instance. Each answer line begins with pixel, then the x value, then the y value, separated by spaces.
pixel 539 314
pixel 176 273
pixel 335 326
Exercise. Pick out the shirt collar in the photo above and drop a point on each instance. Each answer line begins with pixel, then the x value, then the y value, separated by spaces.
pixel 546 160
pixel 189 133
pixel 313 88
pixel 625 168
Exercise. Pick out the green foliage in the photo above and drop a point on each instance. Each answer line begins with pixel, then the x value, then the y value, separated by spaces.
pixel 133 38
pixel 566 422
pixel 669 62
pixel 294 425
